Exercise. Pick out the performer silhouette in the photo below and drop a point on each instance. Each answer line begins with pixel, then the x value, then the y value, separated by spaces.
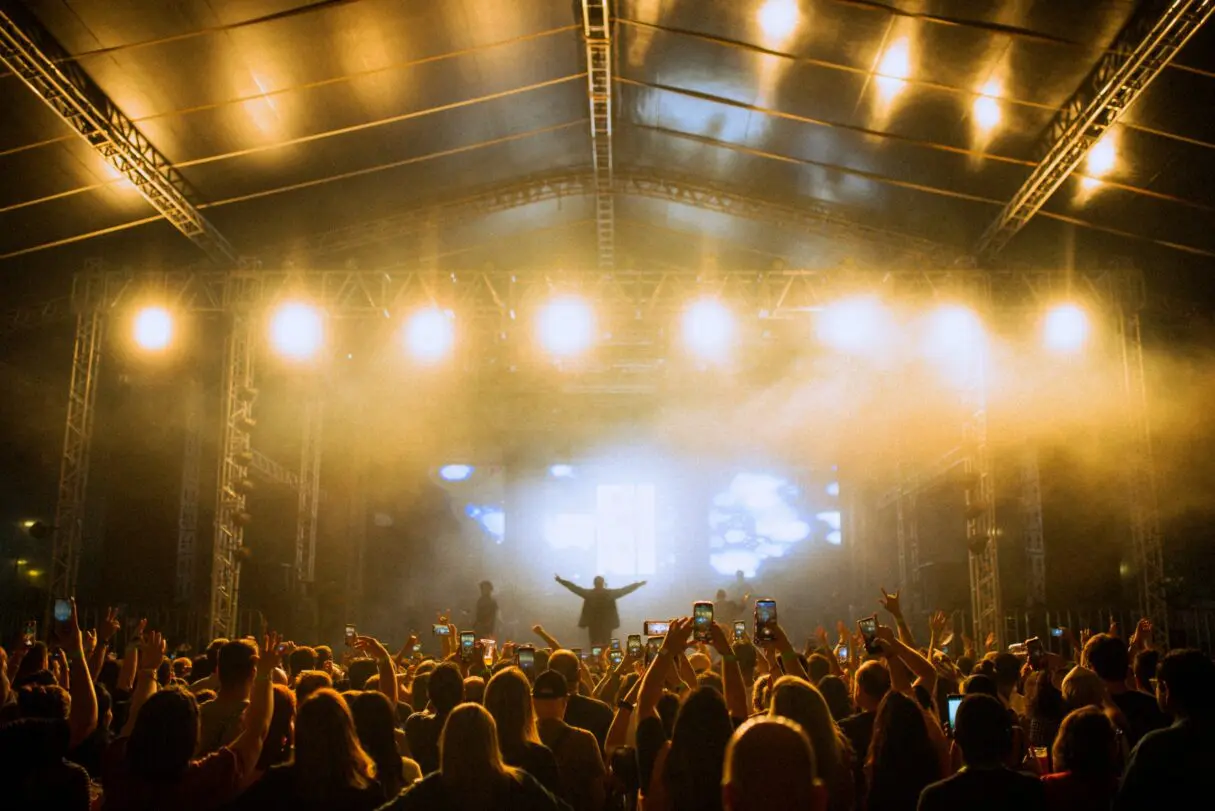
pixel 599 615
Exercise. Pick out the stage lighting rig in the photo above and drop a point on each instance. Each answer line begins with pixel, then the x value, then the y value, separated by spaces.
pixel 429 335
pixel 153 329
pixel 566 326
pixel 1065 328
pixel 708 329
pixel 297 331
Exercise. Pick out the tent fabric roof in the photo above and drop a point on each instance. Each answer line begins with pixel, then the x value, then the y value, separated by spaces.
pixel 293 118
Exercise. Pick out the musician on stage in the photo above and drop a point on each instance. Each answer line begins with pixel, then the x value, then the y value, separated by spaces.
pixel 599 615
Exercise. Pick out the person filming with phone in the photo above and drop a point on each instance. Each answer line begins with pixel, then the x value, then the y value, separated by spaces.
pixel 599 615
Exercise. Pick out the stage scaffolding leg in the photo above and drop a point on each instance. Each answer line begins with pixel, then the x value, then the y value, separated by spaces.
pixel 234 458
pixel 1035 543
pixel 74 464
pixel 307 511
pixel 985 596
pixel 187 515
pixel 1146 539
pixel 356 534
pixel 908 534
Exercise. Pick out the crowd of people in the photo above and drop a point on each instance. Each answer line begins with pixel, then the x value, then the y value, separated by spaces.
pixel 705 719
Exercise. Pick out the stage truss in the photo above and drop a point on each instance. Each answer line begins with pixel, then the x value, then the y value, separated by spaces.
pixel 495 297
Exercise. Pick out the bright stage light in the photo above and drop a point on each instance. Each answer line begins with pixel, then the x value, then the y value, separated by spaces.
pixel 954 334
pixel 778 18
pixel 153 328
pixel 430 334
pixel 708 329
pixel 296 331
pixel 1065 328
pixel 986 109
pixel 566 326
pixel 893 70
pixel 853 325
pixel 455 473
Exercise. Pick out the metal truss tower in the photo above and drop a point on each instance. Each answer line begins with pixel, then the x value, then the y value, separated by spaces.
pixel 1146 538
pixel 986 599
pixel 597 31
pixel 908 537
pixel 187 516
pixel 1145 45
pixel 37 59
pixel 1031 516
pixel 308 504
pixel 74 464
pixel 232 483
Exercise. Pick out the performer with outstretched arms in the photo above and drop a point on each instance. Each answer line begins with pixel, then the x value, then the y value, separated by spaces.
pixel 599 615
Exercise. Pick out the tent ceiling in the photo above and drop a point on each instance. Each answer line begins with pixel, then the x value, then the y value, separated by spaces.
pixel 292 118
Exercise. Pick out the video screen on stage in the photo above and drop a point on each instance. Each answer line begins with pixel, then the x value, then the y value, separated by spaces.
pixel 633 520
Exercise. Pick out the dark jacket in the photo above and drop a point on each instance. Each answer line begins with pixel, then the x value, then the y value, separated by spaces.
pixel 599 605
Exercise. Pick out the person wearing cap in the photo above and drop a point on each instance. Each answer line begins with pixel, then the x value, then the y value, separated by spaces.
pixel 578 757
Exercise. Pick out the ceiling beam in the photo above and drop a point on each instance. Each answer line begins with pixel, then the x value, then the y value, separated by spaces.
pixel 597 33
pixel 33 54
pixel 816 217
pixel 1156 32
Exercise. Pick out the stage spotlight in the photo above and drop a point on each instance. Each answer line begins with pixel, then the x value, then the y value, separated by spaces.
pixel 296 331
pixel 986 108
pixel 455 473
pixel 429 334
pixel 954 333
pixel 566 326
pixel 153 328
pixel 1065 328
pixel 777 19
pixel 893 70
pixel 853 325
pixel 708 328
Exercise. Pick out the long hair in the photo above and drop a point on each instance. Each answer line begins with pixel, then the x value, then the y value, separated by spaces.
pixel 800 701
pixel 470 761
pixel 508 697
pixel 328 757
pixel 164 737
pixel 698 752
pixel 281 736
pixel 902 757
pixel 375 724
pixel 1086 744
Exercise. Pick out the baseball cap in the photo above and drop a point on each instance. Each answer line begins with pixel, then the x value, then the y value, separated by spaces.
pixel 550 684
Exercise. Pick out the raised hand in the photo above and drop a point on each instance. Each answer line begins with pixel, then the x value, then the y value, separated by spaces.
pixel 372 647
pixel 67 633
pixel 151 650
pixel 678 634
pixel 109 626
pixel 820 635
pixel 1142 637
pixel 719 639
pixel 90 642
pixel 890 602
pixel 938 622
pixel 268 659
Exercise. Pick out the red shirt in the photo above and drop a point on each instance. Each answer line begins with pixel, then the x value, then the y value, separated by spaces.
pixel 208 783
pixel 1068 792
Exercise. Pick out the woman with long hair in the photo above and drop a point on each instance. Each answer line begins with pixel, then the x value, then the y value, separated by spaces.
pixel 903 757
pixel 150 765
pixel 472 775
pixel 329 769
pixel 376 727
pixel 508 697
pixel 1086 760
pixel 798 700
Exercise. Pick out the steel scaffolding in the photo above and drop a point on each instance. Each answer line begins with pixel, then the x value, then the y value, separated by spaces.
pixel 308 503
pixel 74 464
pixel 187 515
pixel 986 598
pixel 235 456
pixel 907 533
pixel 1031 516
pixel 56 77
pixel 597 33
pixel 1150 39
pixel 1146 538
